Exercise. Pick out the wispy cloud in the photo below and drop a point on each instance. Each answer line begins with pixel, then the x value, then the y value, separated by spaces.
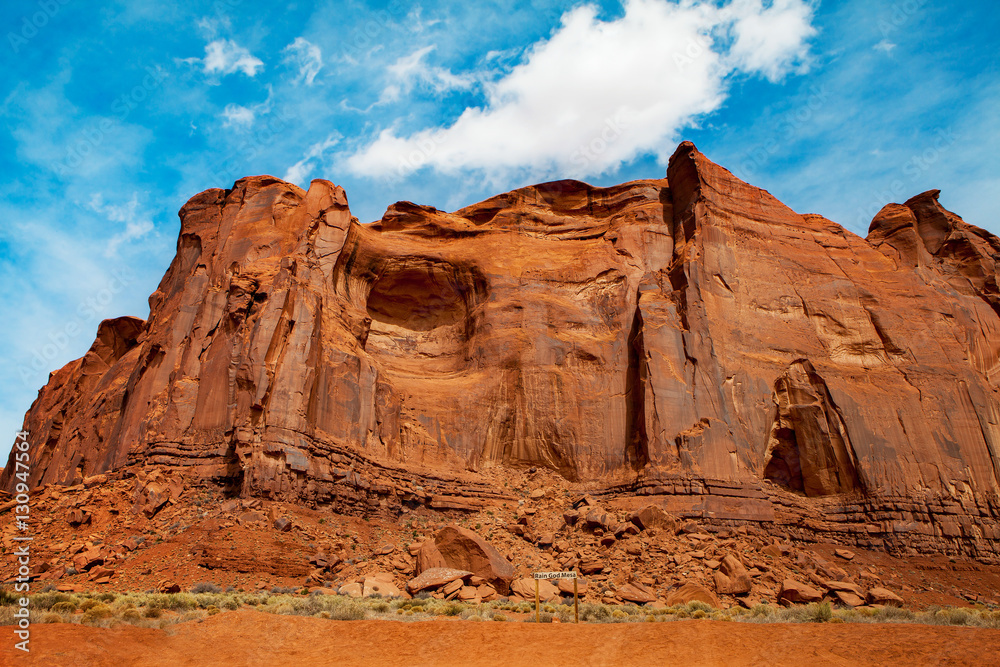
pixel 224 56
pixel 300 171
pixel 137 222
pixel 243 116
pixel 597 93
pixel 885 45
pixel 305 56
pixel 411 71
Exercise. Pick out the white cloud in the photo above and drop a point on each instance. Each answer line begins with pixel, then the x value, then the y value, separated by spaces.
pixel 225 56
pixel 243 117
pixel 769 40
pixel 885 45
pixel 299 172
pixel 411 71
pixel 237 115
pixel 137 223
pixel 599 93
pixel 307 57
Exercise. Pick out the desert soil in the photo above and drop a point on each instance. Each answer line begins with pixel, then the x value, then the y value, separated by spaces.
pixel 248 638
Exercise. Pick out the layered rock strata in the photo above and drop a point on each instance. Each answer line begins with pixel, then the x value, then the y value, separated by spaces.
pixel 689 338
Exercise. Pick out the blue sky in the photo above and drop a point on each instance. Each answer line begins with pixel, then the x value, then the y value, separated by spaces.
pixel 115 113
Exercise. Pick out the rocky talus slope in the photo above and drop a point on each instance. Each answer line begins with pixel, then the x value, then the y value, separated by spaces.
pixel 687 342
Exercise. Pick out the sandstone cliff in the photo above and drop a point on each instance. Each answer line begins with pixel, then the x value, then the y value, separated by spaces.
pixel 689 338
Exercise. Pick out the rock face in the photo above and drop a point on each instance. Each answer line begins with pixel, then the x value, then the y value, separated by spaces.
pixel 690 339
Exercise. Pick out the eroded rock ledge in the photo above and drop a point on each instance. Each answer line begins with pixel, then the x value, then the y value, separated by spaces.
pixel 690 340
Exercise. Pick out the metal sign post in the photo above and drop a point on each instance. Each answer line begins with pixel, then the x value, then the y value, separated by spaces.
pixel 557 575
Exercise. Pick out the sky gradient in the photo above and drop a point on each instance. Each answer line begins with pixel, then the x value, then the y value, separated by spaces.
pixel 116 113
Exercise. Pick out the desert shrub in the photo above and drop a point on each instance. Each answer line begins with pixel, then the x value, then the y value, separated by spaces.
pixel 284 609
pixel 106 597
pixel 51 617
pixel 98 612
pixel 451 609
pixel 65 607
pixel 212 610
pixel 205 587
pixel 131 615
pixel 349 610
pixel 893 615
pixel 499 616
pixel 153 612
pixel 820 612
pixel 88 604
pixel 619 615
pixel 380 606
pixel 231 604
pixel 594 612
pixel 8 598
pixel 698 605
pixel 953 617
pixel 47 600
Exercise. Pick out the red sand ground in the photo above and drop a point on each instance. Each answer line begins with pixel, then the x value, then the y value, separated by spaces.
pixel 249 638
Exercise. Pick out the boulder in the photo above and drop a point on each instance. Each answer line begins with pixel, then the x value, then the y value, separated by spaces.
pixel 690 592
pixel 845 586
pixel 353 590
pixel 654 516
pixel 565 586
pixel 428 557
pixel 372 587
pixel 547 591
pixel 847 598
pixel 883 596
pixel 732 577
pixel 793 590
pixel 435 578
pixel 168 587
pixel 591 566
pixel 462 549
pixel 598 518
pixel 635 592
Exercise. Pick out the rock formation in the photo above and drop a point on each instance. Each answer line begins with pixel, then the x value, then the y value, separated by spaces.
pixel 690 341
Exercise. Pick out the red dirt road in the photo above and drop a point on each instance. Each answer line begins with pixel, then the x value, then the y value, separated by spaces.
pixel 248 638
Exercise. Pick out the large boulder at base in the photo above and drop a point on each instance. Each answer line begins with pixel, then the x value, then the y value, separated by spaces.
pixel 435 577
pixel 373 587
pixel 653 516
pixel 847 598
pixel 884 596
pixel 690 592
pixel 635 592
pixel 463 549
pixel 795 591
pixel 525 587
pixel 732 578
pixel 429 557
